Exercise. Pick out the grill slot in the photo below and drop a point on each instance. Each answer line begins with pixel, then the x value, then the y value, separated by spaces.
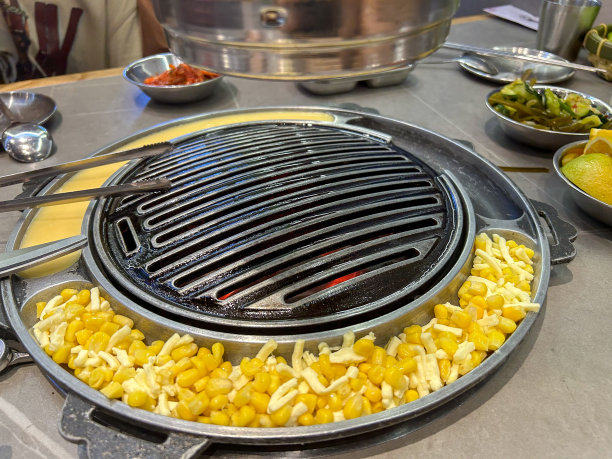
pixel 282 221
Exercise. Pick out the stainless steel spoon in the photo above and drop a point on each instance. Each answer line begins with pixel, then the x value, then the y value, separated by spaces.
pixel 25 142
pixel 469 60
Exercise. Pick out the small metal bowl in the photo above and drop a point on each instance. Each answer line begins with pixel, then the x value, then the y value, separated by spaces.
pixel 542 138
pixel 592 206
pixel 150 66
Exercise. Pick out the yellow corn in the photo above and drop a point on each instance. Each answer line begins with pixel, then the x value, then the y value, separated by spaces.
pixel 364 347
pixel 156 346
pixel 98 341
pixel 68 293
pixel 250 367
pixel 372 392
pixel 411 395
pixel 440 311
pixel 244 416
pixel 83 297
pixel 379 355
pixel 480 340
pixel 506 325
pixel 496 339
pixel 137 398
pixel 187 350
pixel 324 416
pixel 112 390
pixel 183 411
pixel 259 401
pixel 495 301
pixel 376 374
pixel 123 374
pixel 306 419
pixel 335 402
pixel 407 365
pixel 514 313
pixel 413 334
pixel 217 351
pixel 243 396
pixel 71 330
pixel 261 381
pixel 310 400
pixel 282 415
pixel 188 377
pixel 137 335
pixel 217 386
pixel 199 403
pixel 353 407
pixel 200 384
pixel 448 345
pixel 461 319
pixel 395 378
pixel 62 354
pixel 97 378
pixel 82 336
pixel 477 289
pixel 219 418
pixel 109 328
pixel 444 365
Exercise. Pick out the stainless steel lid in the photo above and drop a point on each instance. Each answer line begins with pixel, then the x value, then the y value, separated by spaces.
pixel 304 39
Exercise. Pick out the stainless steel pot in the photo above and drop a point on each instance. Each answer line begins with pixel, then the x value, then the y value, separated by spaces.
pixel 304 39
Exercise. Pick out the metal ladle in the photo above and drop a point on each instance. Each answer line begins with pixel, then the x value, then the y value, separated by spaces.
pixel 25 142
pixel 470 61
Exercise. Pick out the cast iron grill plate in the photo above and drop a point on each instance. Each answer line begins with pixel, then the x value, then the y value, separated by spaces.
pixel 282 222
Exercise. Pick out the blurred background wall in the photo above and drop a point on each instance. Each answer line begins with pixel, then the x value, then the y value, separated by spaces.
pixel 470 7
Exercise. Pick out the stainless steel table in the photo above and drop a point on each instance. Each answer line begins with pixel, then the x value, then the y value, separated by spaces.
pixel 551 399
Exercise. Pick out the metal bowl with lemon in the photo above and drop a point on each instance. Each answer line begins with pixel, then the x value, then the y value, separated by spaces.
pixel 586 168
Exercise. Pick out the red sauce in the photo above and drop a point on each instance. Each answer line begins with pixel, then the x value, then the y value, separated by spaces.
pixel 180 75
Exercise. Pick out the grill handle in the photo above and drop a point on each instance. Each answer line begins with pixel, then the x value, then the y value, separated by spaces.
pixel 562 234
pixel 99 438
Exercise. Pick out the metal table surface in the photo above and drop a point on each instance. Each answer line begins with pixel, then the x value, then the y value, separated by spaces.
pixel 549 400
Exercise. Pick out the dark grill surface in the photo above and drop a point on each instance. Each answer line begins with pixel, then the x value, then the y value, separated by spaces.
pixel 281 221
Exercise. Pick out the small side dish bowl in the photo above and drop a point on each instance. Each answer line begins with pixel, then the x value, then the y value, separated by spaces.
pixel 137 72
pixel 599 46
pixel 592 206
pixel 544 138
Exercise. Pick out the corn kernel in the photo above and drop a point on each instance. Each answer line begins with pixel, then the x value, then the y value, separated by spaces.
pixel 83 297
pixel 440 311
pixel 274 383
pixel 62 354
pixel 364 347
pixel 109 328
pixel 477 289
pixel 137 335
pixel 478 357
pixel 448 345
pixel 94 323
pixel 68 293
pixel 217 386
pixel 306 419
pixel 259 401
pixel 250 367
pixel 187 350
pixel 372 393
pixel 310 400
pixel 73 327
pixel 243 396
pixel 199 403
pixel 183 411
pixel 123 321
pixel 219 418
pixel 395 378
pixel 376 374
pixel 495 301
pixel 514 313
pixel 282 415
pixel 123 374
pixel 156 346
pixel 324 416
pixel 335 402
pixel 261 382
pixel 378 356
pixel 524 286
pixel 217 351
pixel 411 395
pixel 188 377
pixel 353 407
pixel 82 336
pixel 444 366
pixel 506 325
pixel 407 365
pixel 461 319
pixel 413 334
pixel 356 384
pixel 244 416
pixel 112 390
pixel 496 339
pixel 137 398
pixel 480 340
pixel 200 384
pixel 97 342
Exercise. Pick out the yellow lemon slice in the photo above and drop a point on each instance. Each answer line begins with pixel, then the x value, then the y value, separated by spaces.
pixel 601 133
pixel 599 145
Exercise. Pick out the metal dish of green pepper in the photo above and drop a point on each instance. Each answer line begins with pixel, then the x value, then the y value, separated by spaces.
pixel 543 108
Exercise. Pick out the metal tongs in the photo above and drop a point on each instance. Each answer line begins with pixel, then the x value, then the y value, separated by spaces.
pixel 82 195
pixel 20 259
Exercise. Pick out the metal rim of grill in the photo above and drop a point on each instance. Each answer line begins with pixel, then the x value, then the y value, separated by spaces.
pixel 274 225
